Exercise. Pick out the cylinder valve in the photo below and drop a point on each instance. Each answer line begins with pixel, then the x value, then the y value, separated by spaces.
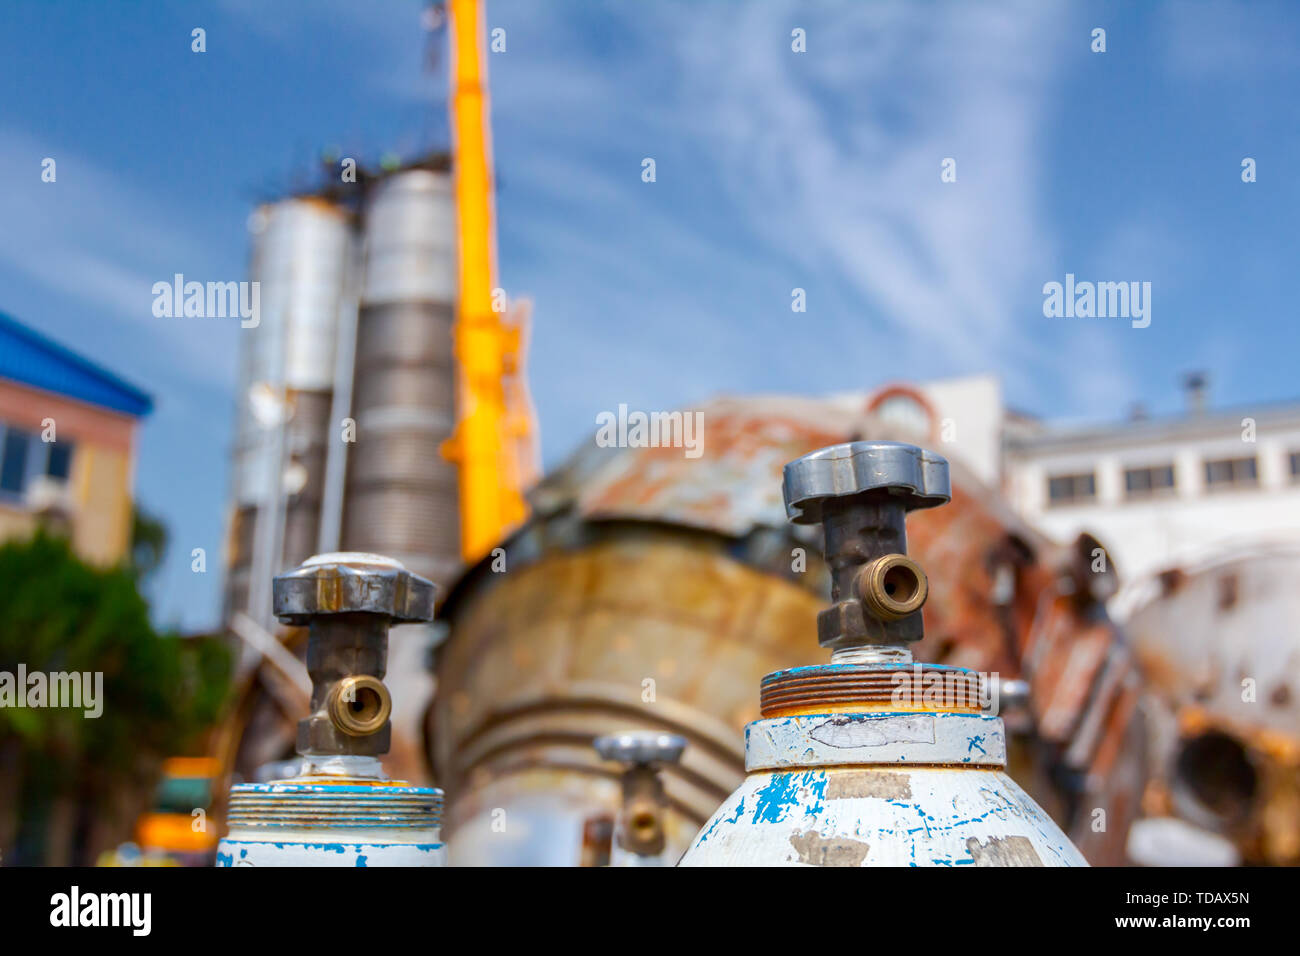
pixel 873 760
pixel 341 810
pixel 640 829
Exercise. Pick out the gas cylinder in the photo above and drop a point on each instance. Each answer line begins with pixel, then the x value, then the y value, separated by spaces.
pixel 874 759
pixel 341 810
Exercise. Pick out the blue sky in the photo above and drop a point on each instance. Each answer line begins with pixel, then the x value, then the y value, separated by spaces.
pixel 775 170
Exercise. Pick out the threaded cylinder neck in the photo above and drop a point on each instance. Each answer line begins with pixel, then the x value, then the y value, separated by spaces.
pixel 903 687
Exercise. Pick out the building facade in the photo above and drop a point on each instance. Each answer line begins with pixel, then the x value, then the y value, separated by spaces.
pixel 1158 493
pixel 67 445
pixel 1164 493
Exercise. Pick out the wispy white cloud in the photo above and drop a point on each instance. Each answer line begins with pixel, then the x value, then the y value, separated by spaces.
pixel 849 151
pixel 93 238
pixel 826 163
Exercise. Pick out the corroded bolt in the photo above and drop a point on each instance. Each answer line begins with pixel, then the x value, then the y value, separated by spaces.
pixel 860 493
pixel 348 601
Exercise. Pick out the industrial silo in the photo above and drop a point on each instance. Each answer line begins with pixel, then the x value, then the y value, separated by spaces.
pixel 401 497
pixel 302 251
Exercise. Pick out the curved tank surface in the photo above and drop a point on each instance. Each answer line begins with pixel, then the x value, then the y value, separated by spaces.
pixel 954 809
pixel 1220 648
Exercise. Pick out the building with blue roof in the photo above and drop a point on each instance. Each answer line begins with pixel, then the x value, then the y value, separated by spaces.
pixel 67 444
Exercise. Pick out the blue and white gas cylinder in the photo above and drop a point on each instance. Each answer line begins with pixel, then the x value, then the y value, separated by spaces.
pixel 873 760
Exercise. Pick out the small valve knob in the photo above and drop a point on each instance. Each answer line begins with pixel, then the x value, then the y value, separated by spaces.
pixel 352 582
pixel 641 748
pixel 860 492
pixel 915 477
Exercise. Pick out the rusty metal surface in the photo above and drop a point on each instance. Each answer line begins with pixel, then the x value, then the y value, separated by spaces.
pixel 1214 627
pixel 853 689
pixel 643 564
pixel 732 487
pixel 1219 646
pixel 641 631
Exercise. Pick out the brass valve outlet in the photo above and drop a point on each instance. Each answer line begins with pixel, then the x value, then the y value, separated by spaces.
pixel 644 804
pixel 892 586
pixel 360 706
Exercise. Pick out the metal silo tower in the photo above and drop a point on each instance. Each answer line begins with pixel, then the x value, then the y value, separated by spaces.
pixel 301 257
pixel 401 496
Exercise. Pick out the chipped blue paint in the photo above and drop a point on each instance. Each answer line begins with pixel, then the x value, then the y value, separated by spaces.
pixel 290 853
pixel 957 785
pixel 783 793
pixel 885 737
pixel 928 830
pixel 719 819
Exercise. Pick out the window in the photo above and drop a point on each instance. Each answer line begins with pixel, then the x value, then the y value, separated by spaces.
pixel 1226 473
pixel 1295 466
pixel 23 457
pixel 1069 489
pixel 13 460
pixel 1145 482
pixel 59 463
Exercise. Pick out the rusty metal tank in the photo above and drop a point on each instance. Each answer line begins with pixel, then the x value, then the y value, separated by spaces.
pixel 651 591
pixel 1220 650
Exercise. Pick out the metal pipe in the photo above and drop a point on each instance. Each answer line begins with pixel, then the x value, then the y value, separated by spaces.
pixel 336 455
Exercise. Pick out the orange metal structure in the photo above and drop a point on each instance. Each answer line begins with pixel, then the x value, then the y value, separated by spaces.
pixel 493 444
